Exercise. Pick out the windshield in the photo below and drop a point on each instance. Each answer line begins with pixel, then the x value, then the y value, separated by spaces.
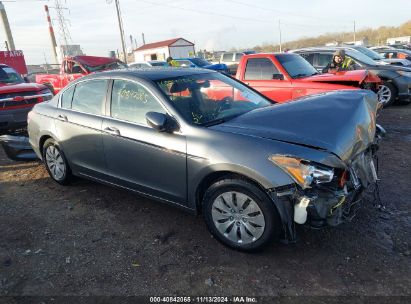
pixel 210 98
pixel 370 53
pixel 360 57
pixel 200 62
pixel 296 66
pixel 108 66
pixel 9 75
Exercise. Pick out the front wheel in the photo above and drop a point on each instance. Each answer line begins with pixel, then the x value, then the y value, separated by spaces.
pixel 240 215
pixel 56 163
pixel 387 93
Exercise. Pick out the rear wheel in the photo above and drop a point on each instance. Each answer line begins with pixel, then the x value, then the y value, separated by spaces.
pixel 240 215
pixel 387 93
pixel 56 163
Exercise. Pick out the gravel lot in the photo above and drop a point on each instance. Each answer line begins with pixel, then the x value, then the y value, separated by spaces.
pixel 90 239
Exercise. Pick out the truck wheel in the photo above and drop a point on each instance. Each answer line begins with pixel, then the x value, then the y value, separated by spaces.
pixel 387 93
pixel 56 163
pixel 240 215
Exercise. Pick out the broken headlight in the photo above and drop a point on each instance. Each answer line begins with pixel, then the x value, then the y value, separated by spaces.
pixel 303 172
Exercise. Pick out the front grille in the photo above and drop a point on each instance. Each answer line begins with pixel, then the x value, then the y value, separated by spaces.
pixel 14 94
pixel 4 103
pixel 26 102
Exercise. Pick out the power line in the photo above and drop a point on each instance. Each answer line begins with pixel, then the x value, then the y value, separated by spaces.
pixel 285 12
pixel 205 12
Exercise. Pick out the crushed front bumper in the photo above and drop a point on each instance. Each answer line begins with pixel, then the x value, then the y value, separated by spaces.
pixel 326 204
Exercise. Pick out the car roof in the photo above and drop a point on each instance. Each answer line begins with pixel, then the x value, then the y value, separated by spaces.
pixel 153 73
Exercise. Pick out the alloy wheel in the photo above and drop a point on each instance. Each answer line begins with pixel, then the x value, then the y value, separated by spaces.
pixel 55 162
pixel 238 217
pixel 384 94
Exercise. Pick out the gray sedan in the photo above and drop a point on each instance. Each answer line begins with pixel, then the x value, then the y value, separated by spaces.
pixel 209 144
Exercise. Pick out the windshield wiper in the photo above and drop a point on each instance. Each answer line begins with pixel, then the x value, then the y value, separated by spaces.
pixel 300 75
pixel 220 120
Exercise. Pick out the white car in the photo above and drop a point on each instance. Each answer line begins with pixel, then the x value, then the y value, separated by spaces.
pixel 147 64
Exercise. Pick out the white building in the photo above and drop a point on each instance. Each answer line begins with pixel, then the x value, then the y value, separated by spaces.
pixel 176 48
pixel 403 39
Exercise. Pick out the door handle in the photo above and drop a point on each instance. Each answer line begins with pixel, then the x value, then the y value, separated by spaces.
pixel 62 117
pixel 112 131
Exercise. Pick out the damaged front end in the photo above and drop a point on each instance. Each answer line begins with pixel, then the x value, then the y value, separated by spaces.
pixel 324 196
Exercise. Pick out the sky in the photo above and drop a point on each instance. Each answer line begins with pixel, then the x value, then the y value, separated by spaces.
pixel 210 24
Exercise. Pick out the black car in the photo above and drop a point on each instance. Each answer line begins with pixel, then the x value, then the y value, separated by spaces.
pixel 396 80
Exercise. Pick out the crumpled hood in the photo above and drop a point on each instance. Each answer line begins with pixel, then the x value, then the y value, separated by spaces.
pixel 343 76
pixel 94 60
pixel 340 122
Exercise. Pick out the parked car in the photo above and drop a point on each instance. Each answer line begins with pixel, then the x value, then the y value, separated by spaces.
pixel 75 67
pixel 285 76
pixel 232 59
pixel 368 52
pixel 251 167
pixel 17 98
pixel 395 54
pixel 396 80
pixel 202 63
pixel 400 62
pixel 148 64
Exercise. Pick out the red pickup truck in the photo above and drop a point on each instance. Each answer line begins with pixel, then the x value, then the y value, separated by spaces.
pixel 17 98
pixel 76 67
pixel 285 76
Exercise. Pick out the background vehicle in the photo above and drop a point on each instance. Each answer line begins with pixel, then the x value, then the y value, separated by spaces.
pixel 401 62
pixel 146 64
pixel 284 76
pixel 395 54
pixel 202 63
pixel 193 150
pixel 76 67
pixel 17 98
pixel 232 59
pixel 396 80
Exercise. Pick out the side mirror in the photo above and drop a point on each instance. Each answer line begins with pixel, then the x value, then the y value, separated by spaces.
pixel 278 76
pixel 160 122
pixel 26 79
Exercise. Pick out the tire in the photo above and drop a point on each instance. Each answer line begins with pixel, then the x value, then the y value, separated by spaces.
pixel 387 93
pixel 56 163
pixel 255 229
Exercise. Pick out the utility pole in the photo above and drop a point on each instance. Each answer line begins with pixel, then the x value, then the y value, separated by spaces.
pixel 354 32
pixel 6 25
pixel 144 40
pixel 120 25
pixel 52 37
pixel 279 28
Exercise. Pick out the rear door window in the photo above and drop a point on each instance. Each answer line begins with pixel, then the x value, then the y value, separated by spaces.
pixel 260 69
pixel 324 59
pixel 309 57
pixel 227 57
pixel 131 101
pixel 89 96
pixel 238 57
